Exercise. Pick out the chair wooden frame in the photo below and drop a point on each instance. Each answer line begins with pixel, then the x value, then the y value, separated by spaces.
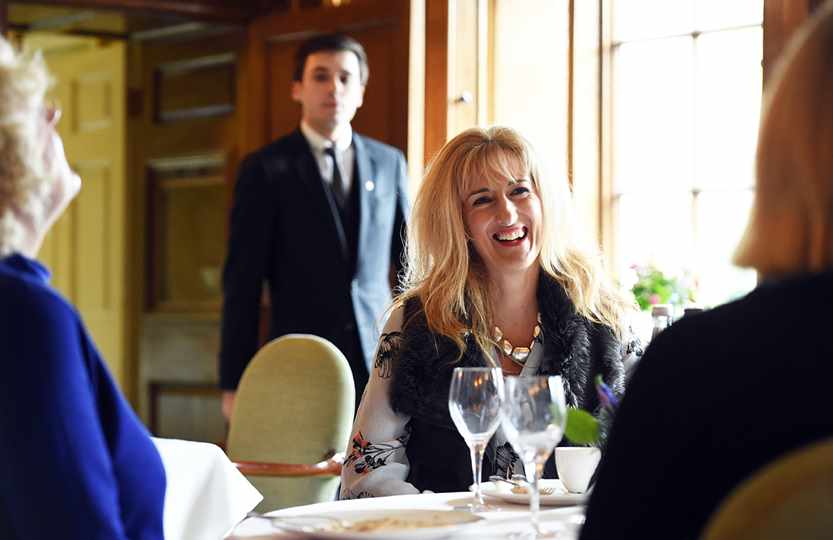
pixel 330 466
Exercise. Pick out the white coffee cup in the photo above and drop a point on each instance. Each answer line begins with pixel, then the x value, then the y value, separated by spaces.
pixel 575 465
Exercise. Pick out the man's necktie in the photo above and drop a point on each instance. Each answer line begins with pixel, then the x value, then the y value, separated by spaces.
pixel 338 183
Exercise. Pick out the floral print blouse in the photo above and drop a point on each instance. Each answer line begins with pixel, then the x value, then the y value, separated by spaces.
pixel 376 464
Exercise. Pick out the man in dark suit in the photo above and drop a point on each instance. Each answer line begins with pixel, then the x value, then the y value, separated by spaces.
pixel 320 215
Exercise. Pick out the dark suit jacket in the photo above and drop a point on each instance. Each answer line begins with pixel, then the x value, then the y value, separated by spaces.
pixel 286 230
pixel 716 397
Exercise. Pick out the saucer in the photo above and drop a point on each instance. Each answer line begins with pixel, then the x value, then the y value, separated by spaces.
pixel 559 497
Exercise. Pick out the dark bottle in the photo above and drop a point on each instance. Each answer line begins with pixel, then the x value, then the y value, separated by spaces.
pixel 661 317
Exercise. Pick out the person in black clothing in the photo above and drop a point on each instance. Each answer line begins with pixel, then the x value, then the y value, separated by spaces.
pixel 721 394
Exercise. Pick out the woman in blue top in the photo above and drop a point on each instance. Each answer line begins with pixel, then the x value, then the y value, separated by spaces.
pixel 75 462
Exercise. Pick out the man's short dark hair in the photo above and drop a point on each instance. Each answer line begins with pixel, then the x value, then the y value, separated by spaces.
pixel 333 43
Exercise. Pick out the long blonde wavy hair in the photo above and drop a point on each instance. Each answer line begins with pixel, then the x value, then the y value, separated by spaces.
pixel 445 273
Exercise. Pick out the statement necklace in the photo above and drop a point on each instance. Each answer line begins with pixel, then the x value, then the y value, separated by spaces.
pixel 517 354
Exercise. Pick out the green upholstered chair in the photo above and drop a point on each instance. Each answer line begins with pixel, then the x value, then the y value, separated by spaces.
pixel 790 498
pixel 291 420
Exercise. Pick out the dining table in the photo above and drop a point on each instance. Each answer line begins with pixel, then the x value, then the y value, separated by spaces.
pixel 205 494
pixel 499 520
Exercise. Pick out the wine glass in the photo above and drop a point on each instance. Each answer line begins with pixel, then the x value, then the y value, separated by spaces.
pixel 474 403
pixel 533 416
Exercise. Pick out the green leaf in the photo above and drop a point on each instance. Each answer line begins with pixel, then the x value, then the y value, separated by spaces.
pixel 582 427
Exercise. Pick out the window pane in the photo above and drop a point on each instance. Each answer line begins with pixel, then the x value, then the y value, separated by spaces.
pixel 653 125
pixel 721 220
pixel 729 79
pixel 712 14
pixel 684 115
pixel 638 19
pixel 654 227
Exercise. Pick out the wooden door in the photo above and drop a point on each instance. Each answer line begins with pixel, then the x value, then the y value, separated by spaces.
pixel 381 26
pixel 86 250
pixel 458 69
pixel 183 128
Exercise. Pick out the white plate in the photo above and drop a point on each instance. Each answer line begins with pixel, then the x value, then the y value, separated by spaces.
pixel 559 497
pixel 409 524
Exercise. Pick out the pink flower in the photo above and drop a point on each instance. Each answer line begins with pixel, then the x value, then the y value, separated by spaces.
pixel 653 299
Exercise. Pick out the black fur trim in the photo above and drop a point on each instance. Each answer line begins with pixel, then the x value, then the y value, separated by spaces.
pixel 575 348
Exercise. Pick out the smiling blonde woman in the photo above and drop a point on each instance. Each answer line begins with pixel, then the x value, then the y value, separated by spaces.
pixel 495 278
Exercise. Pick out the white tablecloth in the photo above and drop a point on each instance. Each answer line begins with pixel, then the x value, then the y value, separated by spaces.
pixel 206 496
pixel 510 519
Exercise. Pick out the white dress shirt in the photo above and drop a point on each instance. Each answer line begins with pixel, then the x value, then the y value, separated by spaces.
pixel 345 155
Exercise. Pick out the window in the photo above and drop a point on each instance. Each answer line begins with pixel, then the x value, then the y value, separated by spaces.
pixel 681 105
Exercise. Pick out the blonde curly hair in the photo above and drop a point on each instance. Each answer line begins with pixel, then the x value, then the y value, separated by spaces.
pixel 450 280
pixel 25 177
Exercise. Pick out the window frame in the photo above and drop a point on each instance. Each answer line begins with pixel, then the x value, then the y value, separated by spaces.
pixel 590 103
pixel 608 197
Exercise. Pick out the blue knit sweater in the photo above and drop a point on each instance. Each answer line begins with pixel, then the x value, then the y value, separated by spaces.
pixel 75 462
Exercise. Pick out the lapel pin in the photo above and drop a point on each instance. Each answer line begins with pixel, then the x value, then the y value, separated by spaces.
pixel 369 185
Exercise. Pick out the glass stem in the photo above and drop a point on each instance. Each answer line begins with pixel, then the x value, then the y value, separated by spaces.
pixel 533 472
pixel 477 449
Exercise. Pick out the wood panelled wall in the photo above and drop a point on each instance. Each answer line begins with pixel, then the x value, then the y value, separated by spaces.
pixel 184 116
pixel 383 29
pixel 201 106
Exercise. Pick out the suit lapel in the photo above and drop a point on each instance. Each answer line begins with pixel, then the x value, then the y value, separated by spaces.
pixel 310 176
pixel 365 183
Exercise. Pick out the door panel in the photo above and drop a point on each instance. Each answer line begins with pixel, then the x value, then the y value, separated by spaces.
pixel 92 242
pixel 184 149
pixel 86 249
